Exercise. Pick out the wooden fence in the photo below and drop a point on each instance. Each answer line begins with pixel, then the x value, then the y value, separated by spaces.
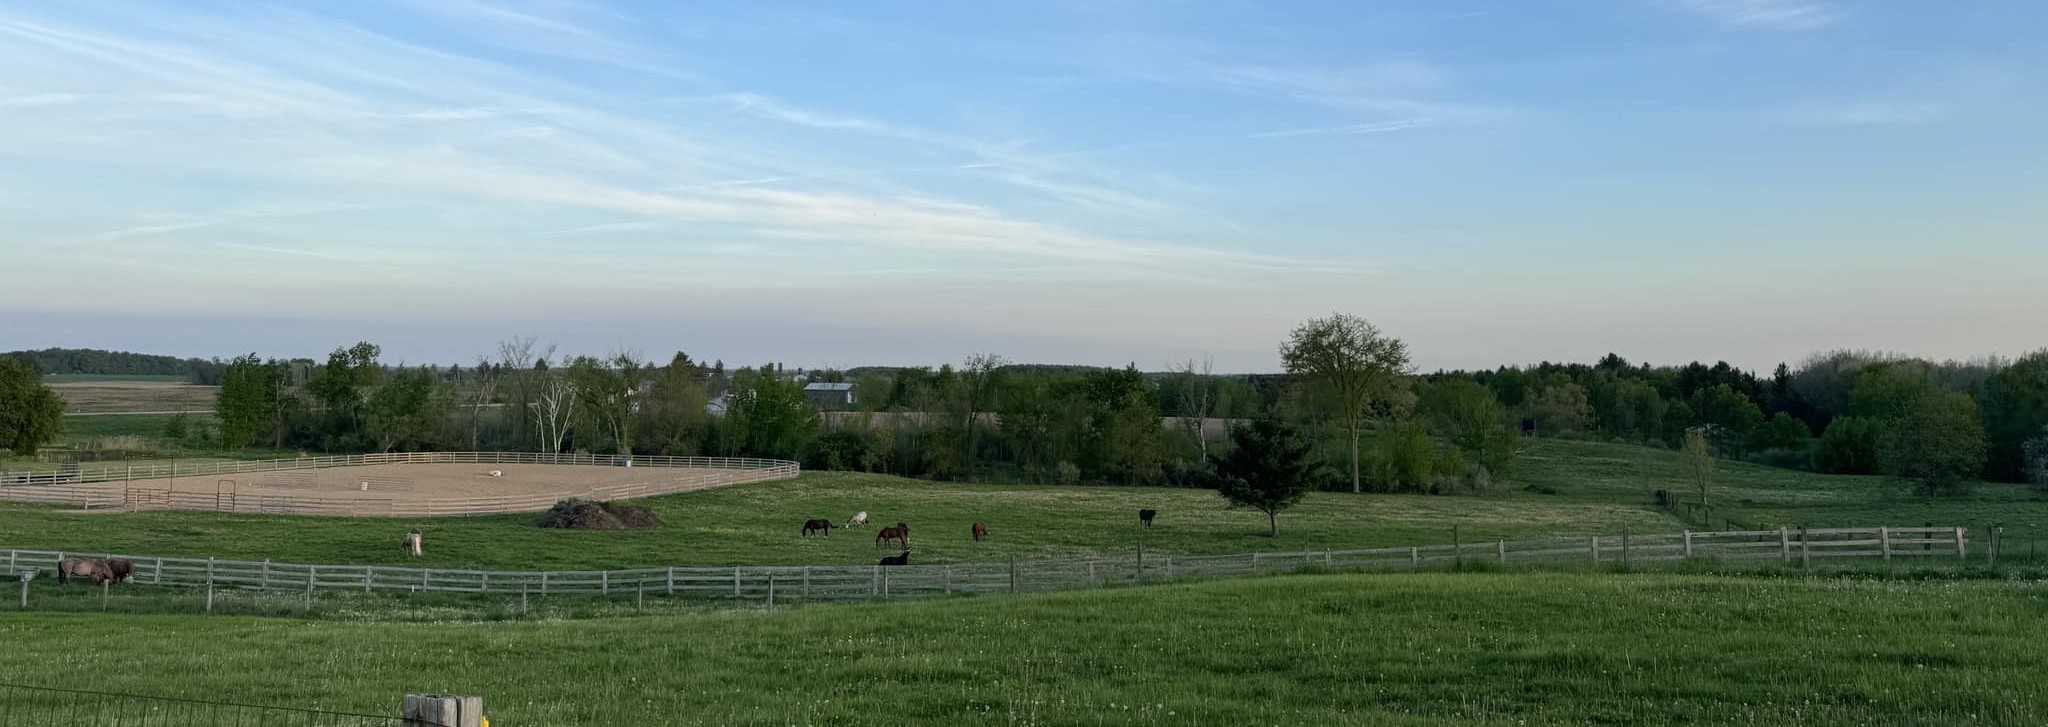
pixel 864 582
pixel 108 487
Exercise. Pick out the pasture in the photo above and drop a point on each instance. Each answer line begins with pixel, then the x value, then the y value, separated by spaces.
pixel 1404 649
pixel 761 524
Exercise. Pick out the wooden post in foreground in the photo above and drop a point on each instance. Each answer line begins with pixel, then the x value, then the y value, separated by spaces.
pixel 435 710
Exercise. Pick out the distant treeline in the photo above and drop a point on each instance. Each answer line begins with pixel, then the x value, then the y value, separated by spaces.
pixel 118 363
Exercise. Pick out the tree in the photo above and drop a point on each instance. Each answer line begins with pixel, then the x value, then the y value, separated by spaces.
pixel 672 418
pixel 1561 409
pixel 1195 387
pixel 1699 462
pixel 2034 459
pixel 2015 404
pixel 1270 467
pixel 1729 417
pixel 1938 446
pixel 1638 411
pixel 402 414
pixel 246 404
pixel 554 406
pixel 1783 432
pixel 1355 362
pixel 1849 446
pixel 478 396
pixel 980 379
pixel 768 416
pixel 1471 419
pixel 31 415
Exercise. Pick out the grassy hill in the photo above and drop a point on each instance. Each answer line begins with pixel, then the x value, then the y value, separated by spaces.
pixel 1405 649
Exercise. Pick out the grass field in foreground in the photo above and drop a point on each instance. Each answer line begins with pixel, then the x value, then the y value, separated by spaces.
pixel 1410 649
pixel 761 524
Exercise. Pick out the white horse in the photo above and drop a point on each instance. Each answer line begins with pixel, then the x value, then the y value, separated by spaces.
pixel 859 518
pixel 497 473
pixel 411 543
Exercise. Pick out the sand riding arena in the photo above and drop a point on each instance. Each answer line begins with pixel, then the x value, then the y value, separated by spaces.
pixel 415 484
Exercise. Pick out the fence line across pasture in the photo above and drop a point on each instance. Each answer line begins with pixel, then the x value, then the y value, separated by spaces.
pixel 107 487
pixel 53 707
pixel 875 582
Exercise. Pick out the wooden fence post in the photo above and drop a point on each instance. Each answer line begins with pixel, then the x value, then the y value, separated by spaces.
pixel 209 584
pixel 1625 563
pixel 771 591
pixel 946 578
pixel 1169 567
pixel 807 583
pixel 604 582
pixel 310 571
pixel 1688 544
pixel 436 710
pixel 1785 543
pixel 885 582
pixel 1013 574
pixel 1962 553
pixel 1502 548
pixel 1596 550
pixel 671 580
pixel 1805 548
pixel 1884 542
pixel 1415 557
pixel 735 581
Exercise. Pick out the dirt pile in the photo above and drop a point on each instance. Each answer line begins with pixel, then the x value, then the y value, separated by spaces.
pixel 587 515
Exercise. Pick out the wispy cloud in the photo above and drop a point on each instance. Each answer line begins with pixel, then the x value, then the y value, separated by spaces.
pixel 1764 14
pixel 1372 128
pixel 1866 113
pixel 606 229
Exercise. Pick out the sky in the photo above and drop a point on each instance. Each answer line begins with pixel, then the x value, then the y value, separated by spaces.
pixel 1066 181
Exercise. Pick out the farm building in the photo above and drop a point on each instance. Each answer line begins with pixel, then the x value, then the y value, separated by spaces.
pixel 830 396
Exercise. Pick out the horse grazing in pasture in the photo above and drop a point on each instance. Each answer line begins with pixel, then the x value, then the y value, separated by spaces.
pixel 902 558
pixel 97 570
pixel 119 570
pixel 819 524
pixel 899 533
pixel 980 532
pixel 858 519
pixel 411 544
pixel 1145 516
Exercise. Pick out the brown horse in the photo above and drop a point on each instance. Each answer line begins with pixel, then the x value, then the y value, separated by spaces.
pixel 119 570
pixel 899 533
pixel 817 524
pixel 980 532
pixel 898 559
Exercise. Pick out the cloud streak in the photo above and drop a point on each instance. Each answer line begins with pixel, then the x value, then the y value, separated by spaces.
pixel 1761 14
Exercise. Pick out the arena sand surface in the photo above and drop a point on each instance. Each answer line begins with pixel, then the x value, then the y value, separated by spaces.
pixel 429 481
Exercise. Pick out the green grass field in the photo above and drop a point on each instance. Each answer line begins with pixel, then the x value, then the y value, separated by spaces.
pixel 1404 649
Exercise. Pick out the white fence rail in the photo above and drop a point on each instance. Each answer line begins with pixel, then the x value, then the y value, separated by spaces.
pixel 110 487
pixel 863 582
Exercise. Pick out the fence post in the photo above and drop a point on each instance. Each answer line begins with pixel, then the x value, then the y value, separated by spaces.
pixel 946 578
pixel 209 584
pixel 1013 574
pixel 1962 553
pixel 1884 542
pixel 885 582
pixel 771 591
pixel 807 583
pixel 1688 545
pixel 266 574
pixel 1091 571
pixel 310 570
pixel 543 584
pixel 1596 549
pixel 1457 549
pixel 369 576
pixel 1169 567
pixel 639 594
pixel 735 581
pixel 1502 549
pixel 1785 543
pixel 1805 548
pixel 671 580
pixel 436 710
pixel 1625 564
pixel 24 592
pixel 1415 557
pixel 875 581
pixel 604 582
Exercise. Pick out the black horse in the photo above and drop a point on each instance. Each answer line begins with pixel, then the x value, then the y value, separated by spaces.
pixel 818 524
pixel 898 559
pixel 1145 516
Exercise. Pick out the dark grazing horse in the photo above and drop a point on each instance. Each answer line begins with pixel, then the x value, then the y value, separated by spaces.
pixel 898 532
pixel 902 558
pixel 119 570
pixel 980 532
pixel 817 524
pixel 1145 516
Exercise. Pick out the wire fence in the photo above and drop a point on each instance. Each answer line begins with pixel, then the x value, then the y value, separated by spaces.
pixel 770 584
pixel 35 706
pixel 116 486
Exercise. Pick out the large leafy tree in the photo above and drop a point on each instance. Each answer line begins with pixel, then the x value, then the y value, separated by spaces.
pixel 1356 363
pixel 1270 467
pixel 1472 419
pixel 1937 444
pixel 31 415
pixel 247 402
pixel 2015 404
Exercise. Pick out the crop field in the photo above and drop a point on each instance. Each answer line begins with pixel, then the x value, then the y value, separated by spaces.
pixel 105 396
pixel 1405 649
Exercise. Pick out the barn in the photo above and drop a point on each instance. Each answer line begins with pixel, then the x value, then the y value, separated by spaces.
pixel 830 396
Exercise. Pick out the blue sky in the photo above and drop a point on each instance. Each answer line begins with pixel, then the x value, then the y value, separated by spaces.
pixel 1087 181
